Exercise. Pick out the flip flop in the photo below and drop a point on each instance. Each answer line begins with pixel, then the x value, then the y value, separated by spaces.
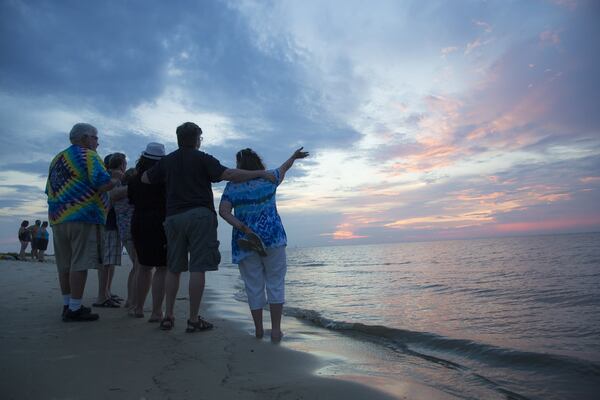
pixel 108 303
pixel 252 242
pixel 116 298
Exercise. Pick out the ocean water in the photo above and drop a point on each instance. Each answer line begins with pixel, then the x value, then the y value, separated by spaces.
pixel 507 318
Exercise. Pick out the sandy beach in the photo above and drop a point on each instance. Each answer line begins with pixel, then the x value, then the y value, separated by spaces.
pixel 120 357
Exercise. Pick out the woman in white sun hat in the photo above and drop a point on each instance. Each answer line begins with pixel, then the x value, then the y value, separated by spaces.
pixel 148 234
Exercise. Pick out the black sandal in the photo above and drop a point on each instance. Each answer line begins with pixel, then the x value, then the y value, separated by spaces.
pixel 108 303
pixel 201 325
pixel 167 324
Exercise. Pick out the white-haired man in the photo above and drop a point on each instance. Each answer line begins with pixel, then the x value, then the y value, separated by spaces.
pixel 77 208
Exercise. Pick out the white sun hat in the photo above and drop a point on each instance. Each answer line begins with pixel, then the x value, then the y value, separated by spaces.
pixel 154 151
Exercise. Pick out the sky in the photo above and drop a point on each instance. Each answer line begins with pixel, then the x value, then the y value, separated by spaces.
pixel 425 120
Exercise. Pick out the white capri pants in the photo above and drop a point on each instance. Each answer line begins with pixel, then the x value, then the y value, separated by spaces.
pixel 259 272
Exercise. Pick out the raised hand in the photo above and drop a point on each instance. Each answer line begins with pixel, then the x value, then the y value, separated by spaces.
pixel 300 154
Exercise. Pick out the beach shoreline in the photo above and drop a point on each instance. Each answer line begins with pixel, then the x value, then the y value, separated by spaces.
pixel 124 357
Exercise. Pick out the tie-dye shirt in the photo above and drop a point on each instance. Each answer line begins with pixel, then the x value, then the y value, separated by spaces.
pixel 254 204
pixel 73 180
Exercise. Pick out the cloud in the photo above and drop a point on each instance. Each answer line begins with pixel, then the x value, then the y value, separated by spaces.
pixel 344 232
pixel 570 4
pixel 551 37
pixel 486 27
pixel 36 167
pixel 435 121
pixel 205 52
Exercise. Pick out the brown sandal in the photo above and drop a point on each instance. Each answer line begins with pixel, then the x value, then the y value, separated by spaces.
pixel 167 324
pixel 201 325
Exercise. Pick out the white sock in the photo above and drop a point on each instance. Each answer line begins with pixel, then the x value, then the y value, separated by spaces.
pixel 74 304
pixel 66 298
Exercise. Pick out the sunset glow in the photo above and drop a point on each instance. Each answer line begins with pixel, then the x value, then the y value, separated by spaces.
pixel 423 122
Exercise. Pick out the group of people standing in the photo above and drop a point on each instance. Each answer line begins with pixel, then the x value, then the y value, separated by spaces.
pixel 37 235
pixel 162 211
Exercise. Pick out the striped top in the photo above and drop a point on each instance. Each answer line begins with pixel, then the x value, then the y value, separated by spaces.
pixel 253 203
pixel 124 213
pixel 74 177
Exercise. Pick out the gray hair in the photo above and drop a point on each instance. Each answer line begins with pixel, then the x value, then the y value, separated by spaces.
pixel 80 130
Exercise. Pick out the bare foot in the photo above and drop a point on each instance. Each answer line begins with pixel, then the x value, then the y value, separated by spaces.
pixel 259 333
pixel 276 336
pixel 155 317
pixel 135 313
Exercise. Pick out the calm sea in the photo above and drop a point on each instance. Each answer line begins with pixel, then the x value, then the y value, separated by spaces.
pixel 515 318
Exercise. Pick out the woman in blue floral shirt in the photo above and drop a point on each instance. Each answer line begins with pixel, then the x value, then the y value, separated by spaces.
pixel 256 213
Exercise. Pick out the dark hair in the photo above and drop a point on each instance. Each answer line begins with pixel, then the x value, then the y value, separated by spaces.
pixel 248 159
pixel 107 160
pixel 128 176
pixel 37 222
pixel 116 160
pixel 188 134
pixel 24 223
pixel 144 164
pixel 45 224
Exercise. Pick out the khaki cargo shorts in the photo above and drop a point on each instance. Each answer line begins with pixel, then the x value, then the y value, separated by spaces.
pixel 77 246
pixel 192 232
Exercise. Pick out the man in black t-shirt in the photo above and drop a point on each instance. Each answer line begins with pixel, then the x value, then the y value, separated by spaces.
pixel 191 222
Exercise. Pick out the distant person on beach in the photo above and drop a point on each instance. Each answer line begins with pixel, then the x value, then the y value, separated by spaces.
pixel 256 214
pixel 191 221
pixel 77 208
pixel 148 233
pixel 24 238
pixel 112 246
pixel 124 212
pixel 34 240
pixel 42 241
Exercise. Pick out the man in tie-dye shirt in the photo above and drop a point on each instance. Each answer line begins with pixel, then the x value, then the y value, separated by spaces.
pixel 77 208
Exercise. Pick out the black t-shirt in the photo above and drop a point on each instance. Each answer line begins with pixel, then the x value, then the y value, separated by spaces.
pixel 149 201
pixel 188 174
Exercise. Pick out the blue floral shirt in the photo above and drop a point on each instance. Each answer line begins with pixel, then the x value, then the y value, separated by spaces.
pixel 253 204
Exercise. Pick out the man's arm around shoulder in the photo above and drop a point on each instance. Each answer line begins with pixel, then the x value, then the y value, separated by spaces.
pixel 242 175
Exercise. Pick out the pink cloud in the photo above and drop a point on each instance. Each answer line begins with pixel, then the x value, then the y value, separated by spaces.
pixel 472 46
pixel 346 235
pixel 448 50
pixel 590 179
pixel 344 231
pixel 548 225
pixel 550 37
pixel 570 4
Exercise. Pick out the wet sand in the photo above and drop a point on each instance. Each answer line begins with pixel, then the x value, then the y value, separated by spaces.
pixel 120 357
